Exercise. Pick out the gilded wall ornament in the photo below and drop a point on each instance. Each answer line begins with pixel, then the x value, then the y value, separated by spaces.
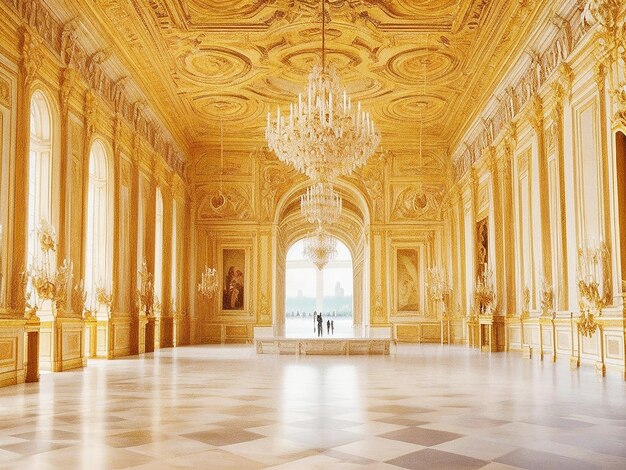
pixel 32 55
pixel 417 202
pixel 232 202
pixel 546 298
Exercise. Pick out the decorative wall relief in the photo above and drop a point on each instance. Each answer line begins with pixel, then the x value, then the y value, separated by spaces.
pixel 231 202
pixel 482 246
pixel 275 179
pixel 416 201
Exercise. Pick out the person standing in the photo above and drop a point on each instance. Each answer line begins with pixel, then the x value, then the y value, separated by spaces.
pixel 320 325
pixel 314 321
pixel 328 327
pixel 332 327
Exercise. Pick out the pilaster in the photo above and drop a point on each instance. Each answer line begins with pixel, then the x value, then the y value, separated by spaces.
pixel 537 122
pixel 31 61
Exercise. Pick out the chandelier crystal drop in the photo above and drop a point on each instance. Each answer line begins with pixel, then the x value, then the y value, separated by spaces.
pixel 323 136
pixel 321 204
pixel 208 284
pixel 320 247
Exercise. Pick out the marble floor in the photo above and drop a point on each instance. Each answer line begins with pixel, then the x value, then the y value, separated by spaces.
pixel 220 407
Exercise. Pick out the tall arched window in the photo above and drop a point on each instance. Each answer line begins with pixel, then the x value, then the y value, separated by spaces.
pixel 39 170
pixel 158 248
pixel 174 270
pixel 98 247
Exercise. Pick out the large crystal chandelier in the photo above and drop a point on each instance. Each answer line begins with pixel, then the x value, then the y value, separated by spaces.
pixel 324 135
pixel 320 247
pixel 208 284
pixel 321 204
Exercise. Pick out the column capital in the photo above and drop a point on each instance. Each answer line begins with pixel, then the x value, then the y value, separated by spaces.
pixel 68 83
pixel 599 75
pixel 32 55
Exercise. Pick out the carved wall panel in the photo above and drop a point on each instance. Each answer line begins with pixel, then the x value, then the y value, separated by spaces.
pixel 275 178
pixel 416 202
pixel 231 202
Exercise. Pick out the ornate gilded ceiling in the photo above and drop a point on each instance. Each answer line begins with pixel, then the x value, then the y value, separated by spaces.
pixel 202 61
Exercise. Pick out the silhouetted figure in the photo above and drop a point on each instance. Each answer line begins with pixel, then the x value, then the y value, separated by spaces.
pixel 314 321
pixel 332 327
pixel 320 325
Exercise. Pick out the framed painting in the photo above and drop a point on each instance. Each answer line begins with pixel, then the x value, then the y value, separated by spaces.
pixel 234 274
pixel 407 280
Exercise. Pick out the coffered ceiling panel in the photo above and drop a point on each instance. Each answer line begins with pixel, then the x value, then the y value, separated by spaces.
pixel 413 63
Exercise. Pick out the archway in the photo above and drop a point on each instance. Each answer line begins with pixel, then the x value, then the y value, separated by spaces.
pixel 39 171
pixel 42 214
pixel 99 247
pixel 351 229
pixel 328 291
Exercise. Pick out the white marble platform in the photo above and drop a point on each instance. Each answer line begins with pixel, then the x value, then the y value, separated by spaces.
pixel 324 346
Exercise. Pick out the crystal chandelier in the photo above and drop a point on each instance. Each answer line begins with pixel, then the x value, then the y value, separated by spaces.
pixel 321 204
pixel 320 247
pixel 324 135
pixel 208 283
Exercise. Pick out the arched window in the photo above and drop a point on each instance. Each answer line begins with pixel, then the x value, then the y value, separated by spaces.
pixel 39 171
pixel 158 248
pixel 98 247
pixel 174 271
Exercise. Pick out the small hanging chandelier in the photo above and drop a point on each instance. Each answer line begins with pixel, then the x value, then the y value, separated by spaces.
pixel 321 204
pixel 324 136
pixel 320 247
pixel 208 284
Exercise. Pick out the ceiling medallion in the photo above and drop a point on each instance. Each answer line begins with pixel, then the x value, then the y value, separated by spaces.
pixel 321 204
pixel 324 136
pixel 320 247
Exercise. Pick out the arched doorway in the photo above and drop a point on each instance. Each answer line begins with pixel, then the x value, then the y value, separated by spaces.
pixel 309 290
pixel 352 229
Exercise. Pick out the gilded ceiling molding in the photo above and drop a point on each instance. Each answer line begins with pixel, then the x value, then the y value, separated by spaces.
pixel 543 66
pixel 42 26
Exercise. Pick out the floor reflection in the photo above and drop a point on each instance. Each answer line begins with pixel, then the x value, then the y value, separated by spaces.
pixel 226 407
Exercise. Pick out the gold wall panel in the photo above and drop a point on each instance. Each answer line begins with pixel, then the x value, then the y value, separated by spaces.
pixel 614 347
pixel 431 333
pixel 71 344
pixel 8 354
pixel 407 333
pixel 589 346
pixel 45 343
pixel 563 340
pixel 121 337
